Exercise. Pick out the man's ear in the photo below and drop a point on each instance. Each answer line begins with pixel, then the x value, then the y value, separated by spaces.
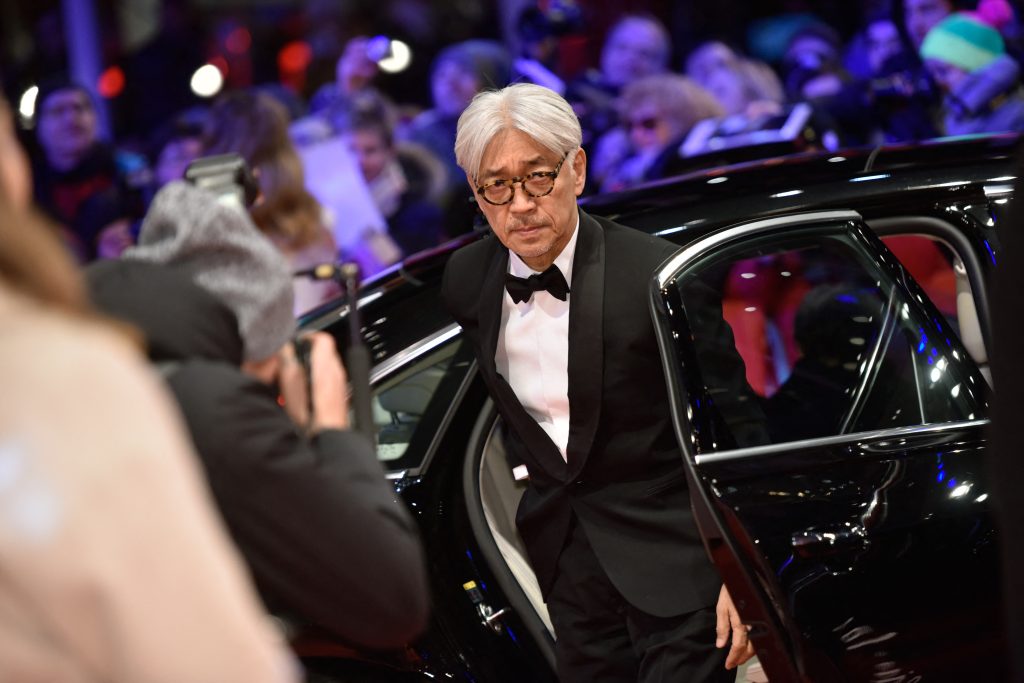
pixel 579 167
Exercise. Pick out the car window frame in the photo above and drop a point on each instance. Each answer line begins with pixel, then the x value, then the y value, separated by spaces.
pixel 676 389
pixel 396 364
pixel 955 240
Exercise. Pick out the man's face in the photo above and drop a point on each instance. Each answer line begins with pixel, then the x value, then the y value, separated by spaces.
pixel 67 124
pixel 635 49
pixel 922 15
pixel 535 228
pixel 370 150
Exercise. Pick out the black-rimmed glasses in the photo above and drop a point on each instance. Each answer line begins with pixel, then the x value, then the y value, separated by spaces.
pixel 536 184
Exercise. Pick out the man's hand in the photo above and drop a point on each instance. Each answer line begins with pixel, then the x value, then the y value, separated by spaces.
pixel 329 393
pixel 729 620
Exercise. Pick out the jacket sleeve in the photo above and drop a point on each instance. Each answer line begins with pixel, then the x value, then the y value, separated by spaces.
pixel 316 520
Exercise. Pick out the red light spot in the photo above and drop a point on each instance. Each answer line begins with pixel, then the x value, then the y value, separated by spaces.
pixel 111 82
pixel 295 56
pixel 238 41
pixel 221 64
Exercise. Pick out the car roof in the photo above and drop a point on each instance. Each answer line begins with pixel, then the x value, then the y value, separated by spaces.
pixel 401 303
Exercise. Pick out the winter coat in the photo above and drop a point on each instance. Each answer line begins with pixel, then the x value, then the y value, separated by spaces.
pixel 989 100
pixel 315 519
pixel 114 566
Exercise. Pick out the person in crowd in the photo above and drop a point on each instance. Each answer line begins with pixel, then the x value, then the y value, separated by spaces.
pixel 812 63
pixel 748 88
pixel 458 73
pixel 305 499
pixel 538 54
pixel 708 58
pixel 596 448
pixel 255 126
pixel 657 113
pixel 917 17
pixel 405 179
pixel 980 82
pixel 636 46
pixel 114 564
pixel 356 69
pixel 88 186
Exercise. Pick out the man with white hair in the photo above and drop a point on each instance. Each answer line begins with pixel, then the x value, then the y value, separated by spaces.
pixel 556 309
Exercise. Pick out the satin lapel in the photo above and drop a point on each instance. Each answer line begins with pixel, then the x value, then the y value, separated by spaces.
pixel 490 304
pixel 586 341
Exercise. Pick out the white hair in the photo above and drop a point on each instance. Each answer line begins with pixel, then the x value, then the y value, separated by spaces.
pixel 539 112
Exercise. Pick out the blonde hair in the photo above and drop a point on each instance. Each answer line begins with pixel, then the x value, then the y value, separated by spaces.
pixel 255 125
pixel 677 98
pixel 539 112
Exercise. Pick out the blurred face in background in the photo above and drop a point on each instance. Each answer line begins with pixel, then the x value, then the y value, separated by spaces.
pixel 922 15
pixel 371 150
pixel 649 129
pixel 175 157
pixel 707 60
pixel 634 49
pixel 453 87
pixel 883 42
pixel 67 127
pixel 729 89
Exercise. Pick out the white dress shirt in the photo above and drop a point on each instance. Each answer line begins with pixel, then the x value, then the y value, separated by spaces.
pixel 533 348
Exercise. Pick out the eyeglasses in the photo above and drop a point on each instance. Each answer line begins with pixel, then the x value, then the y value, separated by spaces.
pixel 536 184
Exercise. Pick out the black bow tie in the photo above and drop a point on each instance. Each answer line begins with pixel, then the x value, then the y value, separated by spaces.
pixel 551 280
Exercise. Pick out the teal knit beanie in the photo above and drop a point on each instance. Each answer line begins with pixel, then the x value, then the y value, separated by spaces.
pixel 963 41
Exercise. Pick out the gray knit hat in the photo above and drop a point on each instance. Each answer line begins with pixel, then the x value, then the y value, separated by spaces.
pixel 226 254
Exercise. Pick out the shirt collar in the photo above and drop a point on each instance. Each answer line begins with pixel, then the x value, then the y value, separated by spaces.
pixel 564 260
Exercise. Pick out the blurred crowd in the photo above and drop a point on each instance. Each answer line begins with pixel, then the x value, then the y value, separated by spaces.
pixel 356 175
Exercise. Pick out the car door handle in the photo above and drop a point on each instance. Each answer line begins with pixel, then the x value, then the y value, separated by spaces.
pixel 829 541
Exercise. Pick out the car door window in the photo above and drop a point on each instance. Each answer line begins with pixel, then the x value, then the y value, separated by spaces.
pixel 411 402
pixel 804 335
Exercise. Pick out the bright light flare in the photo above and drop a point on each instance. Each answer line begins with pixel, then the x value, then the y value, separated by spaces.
pixel 207 81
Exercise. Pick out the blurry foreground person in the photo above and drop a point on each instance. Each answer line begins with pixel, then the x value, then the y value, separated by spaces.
pixel 113 565
pixel 255 125
pixel 304 498
pixel 980 82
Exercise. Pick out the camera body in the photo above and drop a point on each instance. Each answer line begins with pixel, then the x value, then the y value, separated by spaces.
pixel 227 176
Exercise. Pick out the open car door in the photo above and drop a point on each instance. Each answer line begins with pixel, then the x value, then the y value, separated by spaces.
pixel 833 432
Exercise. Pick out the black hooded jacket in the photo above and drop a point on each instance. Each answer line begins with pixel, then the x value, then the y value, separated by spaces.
pixel 315 519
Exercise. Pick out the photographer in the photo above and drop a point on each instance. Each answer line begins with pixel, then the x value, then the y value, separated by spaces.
pixel 305 500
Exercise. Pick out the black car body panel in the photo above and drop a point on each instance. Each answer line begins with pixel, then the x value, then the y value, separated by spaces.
pixel 847 551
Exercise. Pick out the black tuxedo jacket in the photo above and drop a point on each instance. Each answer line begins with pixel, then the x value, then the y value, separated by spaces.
pixel 623 479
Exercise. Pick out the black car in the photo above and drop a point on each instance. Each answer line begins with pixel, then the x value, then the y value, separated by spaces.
pixel 834 432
